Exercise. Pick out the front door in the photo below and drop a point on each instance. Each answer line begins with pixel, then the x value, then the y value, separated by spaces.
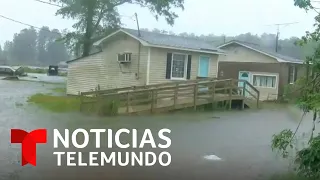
pixel 204 66
pixel 203 70
pixel 244 75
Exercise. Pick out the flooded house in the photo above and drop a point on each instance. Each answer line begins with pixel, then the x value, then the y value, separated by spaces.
pixel 268 71
pixel 130 57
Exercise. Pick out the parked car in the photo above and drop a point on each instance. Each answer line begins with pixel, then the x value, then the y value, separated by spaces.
pixel 53 71
pixel 12 71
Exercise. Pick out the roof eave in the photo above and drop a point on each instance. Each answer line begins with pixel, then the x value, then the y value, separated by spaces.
pixel 79 58
pixel 186 49
pixel 278 59
pixel 98 43
pixel 293 62
pixel 226 44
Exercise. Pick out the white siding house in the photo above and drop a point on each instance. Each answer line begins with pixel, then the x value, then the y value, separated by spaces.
pixel 129 59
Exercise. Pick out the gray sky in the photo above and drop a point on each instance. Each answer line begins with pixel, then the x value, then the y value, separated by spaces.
pixel 230 17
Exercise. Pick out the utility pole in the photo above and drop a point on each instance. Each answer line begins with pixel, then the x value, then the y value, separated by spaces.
pixel 277 38
pixel 278 32
pixel 136 15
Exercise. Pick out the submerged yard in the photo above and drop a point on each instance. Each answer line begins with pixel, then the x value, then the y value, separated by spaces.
pixel 240 138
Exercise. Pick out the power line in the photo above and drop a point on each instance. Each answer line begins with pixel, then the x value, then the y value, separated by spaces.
pixel 48 3
pixel 16 21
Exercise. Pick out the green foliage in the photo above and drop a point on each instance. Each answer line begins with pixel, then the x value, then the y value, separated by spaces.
pixel 24 46
pixel 293 91
pixel 97 18
pixel 56 103
pixel 62 104
pixel 307 159
pixel 305 4
pixel 31 47
pixel 282 141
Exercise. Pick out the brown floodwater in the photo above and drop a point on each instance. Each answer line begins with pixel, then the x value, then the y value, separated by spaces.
pixel 240 138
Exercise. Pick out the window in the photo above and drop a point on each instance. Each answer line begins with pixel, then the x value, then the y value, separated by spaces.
pixel 179 66
pixel 264 81
pixel 292 72
pixel 125 57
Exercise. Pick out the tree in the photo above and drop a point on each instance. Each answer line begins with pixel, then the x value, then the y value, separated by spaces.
pixel 2 57
pixel 43 38
pixel 1 53
pixel 98 17
pixel 7 51
pixel 56 50
pixel 307 159
pixel 25 46
pixel 30 47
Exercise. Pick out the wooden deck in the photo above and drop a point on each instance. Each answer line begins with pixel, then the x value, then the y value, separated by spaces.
pixel 173 96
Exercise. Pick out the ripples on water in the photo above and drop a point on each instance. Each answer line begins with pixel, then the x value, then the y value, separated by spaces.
pixel 241 139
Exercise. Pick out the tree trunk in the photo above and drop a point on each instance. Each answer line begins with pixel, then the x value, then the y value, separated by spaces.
pixel 89 28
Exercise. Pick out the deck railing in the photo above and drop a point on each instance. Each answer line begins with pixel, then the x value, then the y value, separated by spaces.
pixel 175 95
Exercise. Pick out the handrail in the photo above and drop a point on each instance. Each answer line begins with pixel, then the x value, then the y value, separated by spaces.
pixel 252 87
pixel 245 81
pixel 175 89
pixel 151 89
pixel 146 86
pixel 158 86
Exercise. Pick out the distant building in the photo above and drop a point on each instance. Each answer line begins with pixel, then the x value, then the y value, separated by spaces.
pixel 266 70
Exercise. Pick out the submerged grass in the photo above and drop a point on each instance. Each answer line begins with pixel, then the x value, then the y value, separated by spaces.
pixel 59 90
pixel 60 104
pixel 56 103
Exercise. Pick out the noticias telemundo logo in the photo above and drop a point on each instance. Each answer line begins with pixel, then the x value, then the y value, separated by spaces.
pixel 29 141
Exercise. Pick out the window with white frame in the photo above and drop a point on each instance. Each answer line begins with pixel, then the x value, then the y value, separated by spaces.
pixel 179 66
pixel 267 81
pixel 292 72
pixel 125 57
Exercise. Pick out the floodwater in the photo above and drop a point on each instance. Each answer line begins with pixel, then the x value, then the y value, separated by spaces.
pixel 43 78
pixel 240 138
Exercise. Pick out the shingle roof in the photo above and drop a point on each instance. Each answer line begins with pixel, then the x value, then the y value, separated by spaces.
pixel 167 41
pixel 172 40
pixel 265 50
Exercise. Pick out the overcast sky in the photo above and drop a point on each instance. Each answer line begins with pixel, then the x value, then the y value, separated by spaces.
pixel 230 17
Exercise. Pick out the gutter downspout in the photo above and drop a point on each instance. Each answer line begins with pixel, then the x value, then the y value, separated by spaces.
pixel 139 54
pixel 148 66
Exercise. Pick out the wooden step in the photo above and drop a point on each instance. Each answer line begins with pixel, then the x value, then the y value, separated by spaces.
pixel 251 103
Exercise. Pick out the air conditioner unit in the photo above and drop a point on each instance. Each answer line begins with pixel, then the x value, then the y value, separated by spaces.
pixel 124 57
